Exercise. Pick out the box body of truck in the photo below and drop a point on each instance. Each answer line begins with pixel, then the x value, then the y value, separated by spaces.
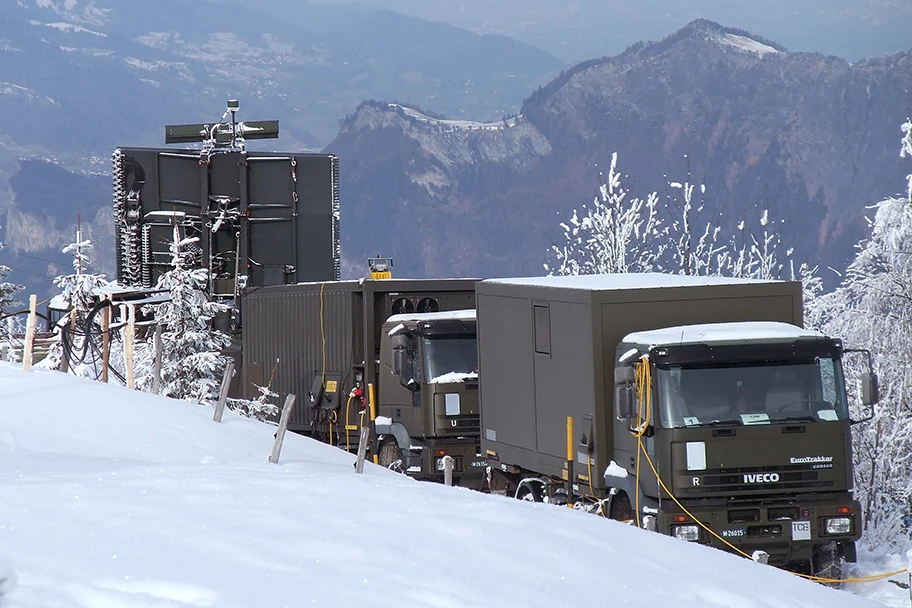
pixel 325 339
pixel 548 349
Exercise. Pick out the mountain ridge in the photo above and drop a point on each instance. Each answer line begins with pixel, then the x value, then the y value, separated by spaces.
pixel 761 127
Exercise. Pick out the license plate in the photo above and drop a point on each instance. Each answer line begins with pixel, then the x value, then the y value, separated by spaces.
pixel 801 530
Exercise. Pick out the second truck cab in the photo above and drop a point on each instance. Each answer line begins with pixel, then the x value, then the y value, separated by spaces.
pixel 429 384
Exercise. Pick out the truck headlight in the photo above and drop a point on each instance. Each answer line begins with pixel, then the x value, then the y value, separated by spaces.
pixel 690 533
pixel 838 525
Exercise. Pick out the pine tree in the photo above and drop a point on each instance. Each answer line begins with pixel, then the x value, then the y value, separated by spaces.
pixel 79 292
pixel 8 290
pixel 192 365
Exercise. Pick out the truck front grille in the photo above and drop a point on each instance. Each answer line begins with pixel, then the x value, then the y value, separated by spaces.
pixel 741 516
pixel 753 479
pixel 452 426
pixel 778 513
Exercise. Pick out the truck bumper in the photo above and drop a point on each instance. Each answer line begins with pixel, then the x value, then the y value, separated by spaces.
pixel 788 532
pixel 469 467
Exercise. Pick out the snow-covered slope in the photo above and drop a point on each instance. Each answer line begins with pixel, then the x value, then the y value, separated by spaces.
pixel 114 498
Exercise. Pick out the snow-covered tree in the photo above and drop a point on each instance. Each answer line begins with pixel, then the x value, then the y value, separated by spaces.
pixel 613 235
pixel 192 366
pixel 80 290
pixel 873 309
pixel 8 290
pixel 79 293
pixel 695 250
pixel 621 233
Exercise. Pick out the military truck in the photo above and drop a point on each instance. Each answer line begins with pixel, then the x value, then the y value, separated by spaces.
pixel 696 407
pixel 413 340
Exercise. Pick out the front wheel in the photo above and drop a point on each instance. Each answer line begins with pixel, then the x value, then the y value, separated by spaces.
pixel 529 492
pixel 827 564
pixel 390 456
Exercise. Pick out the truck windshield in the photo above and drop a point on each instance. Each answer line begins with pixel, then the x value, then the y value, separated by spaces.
pixel 752 393
pixel 450 358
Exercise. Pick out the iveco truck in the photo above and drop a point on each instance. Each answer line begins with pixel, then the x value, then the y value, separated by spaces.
pixel 696 407
pixel 413 341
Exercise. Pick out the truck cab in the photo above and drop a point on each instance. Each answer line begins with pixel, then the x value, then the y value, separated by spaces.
pixel 747 428
pixel 428 395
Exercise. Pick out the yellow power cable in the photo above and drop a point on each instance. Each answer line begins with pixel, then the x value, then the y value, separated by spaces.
pixel 333 417
pixel 644 398
pixel 817 579
pixel 643 378
pixel 322 340
pixel 347 436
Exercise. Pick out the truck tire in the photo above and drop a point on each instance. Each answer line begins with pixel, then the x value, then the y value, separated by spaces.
pixel 529 492
pixel 620 508
pixel 390 456
pixel 827 563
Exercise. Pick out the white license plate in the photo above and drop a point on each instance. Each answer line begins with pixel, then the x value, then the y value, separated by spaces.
pixel 801 530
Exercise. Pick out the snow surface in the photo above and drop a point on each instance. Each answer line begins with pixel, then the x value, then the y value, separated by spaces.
pixel 69 28
pixel 455 125
pixel 467 314
pixel 117 498
pixel 632 280
pixel 451 377
pixel 717 333
pixel 748 45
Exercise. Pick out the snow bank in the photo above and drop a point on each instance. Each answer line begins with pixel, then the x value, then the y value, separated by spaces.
pixel 114 498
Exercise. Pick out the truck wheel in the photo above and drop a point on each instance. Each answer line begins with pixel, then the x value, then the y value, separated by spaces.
pixel 529 492
pixel 620 507
pixel 827 563
pixel 390 456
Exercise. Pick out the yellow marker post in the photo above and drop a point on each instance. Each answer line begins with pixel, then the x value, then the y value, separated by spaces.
pixel 570 461
pixel 373 415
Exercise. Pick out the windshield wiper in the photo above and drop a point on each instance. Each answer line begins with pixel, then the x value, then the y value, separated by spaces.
pixel 733 422
pixel 805 418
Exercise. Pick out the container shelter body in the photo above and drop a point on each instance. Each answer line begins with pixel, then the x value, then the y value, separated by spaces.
pixel 329 335
pixel 547 348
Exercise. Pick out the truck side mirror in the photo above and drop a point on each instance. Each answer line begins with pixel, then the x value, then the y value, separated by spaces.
pixel 624 395
pixel 870 390
pixel 623 402
pixel 400 351
pixel 400 344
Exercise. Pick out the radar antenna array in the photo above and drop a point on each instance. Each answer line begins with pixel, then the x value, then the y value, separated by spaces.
pixel 225 135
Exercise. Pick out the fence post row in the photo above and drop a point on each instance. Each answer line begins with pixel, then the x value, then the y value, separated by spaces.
pixel 283 426
pixel 29 334
pixel 223 391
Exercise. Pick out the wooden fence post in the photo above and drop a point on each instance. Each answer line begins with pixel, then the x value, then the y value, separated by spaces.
pixel 223 391
pixel 283 426
pixel 128 344
pixel 29 334
pixel 105 342
pixel 362 449
pixel 157 361
pixel 448 470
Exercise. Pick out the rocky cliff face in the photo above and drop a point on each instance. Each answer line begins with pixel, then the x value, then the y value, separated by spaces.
pixel 813 139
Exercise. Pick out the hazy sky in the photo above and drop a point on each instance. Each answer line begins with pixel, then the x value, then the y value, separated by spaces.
pixel 583 29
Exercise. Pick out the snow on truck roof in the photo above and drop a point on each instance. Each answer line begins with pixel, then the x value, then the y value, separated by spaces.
pixel 461 315
pixel 722 333
pixel 604 282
